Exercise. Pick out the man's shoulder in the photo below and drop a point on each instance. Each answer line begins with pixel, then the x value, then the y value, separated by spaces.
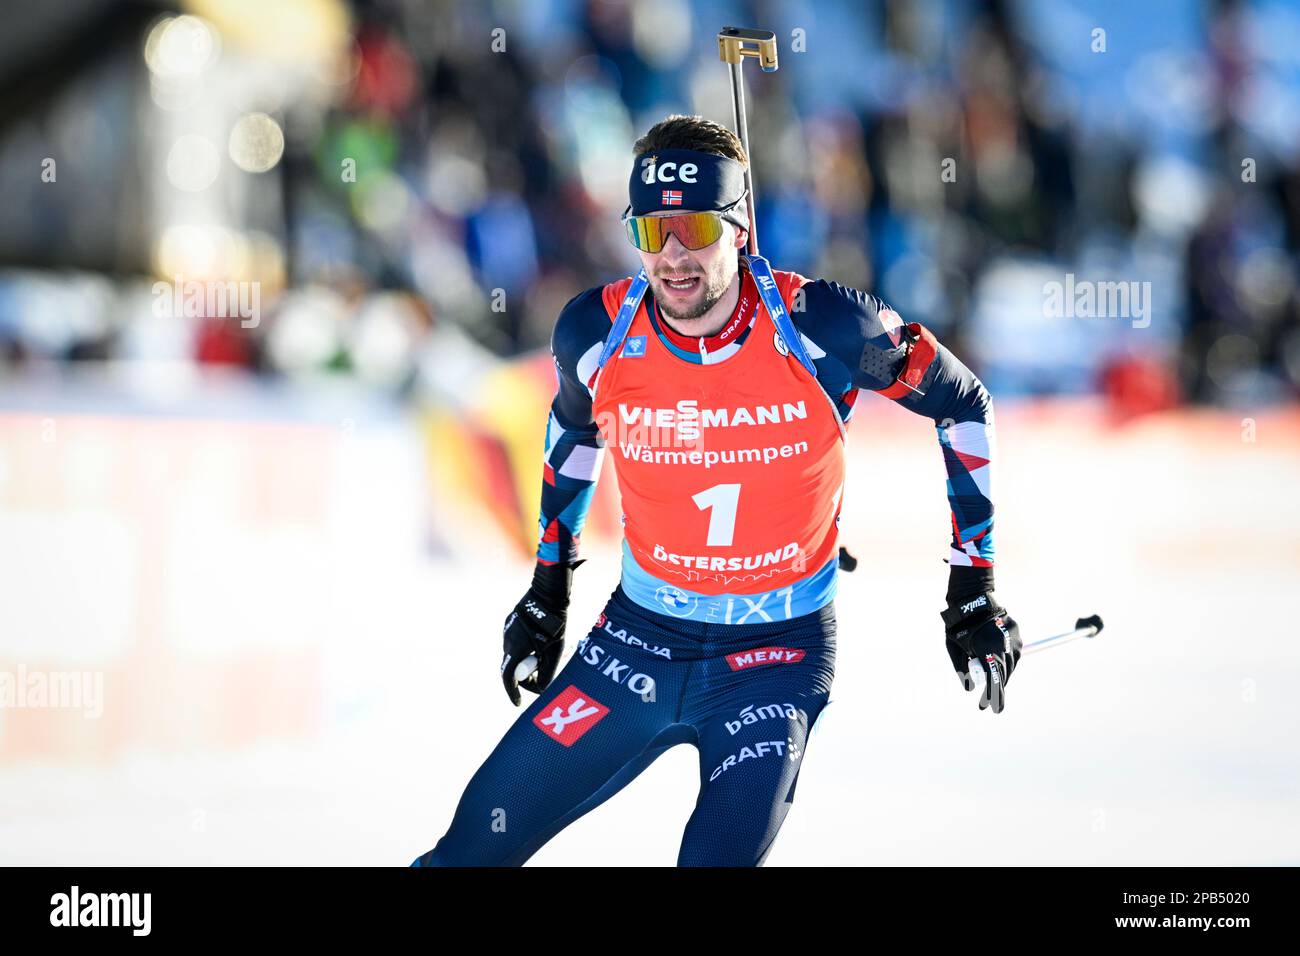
pixel 791 280
pixel 584 323
pixel 858 329
pixel 583 320
pixel 828 304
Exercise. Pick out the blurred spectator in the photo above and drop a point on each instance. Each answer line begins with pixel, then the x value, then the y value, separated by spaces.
pixel 466 164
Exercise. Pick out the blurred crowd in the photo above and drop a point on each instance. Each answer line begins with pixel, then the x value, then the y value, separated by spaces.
pixel 452 173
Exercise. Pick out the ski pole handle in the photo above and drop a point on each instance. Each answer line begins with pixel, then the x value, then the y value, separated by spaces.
pixel 525 668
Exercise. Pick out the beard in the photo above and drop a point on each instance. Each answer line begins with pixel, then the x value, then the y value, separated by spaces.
pixel 714 288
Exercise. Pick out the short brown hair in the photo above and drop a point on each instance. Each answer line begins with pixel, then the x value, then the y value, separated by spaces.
pixel 692 132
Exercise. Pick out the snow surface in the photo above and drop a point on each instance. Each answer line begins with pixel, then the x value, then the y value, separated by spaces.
pixel 315 684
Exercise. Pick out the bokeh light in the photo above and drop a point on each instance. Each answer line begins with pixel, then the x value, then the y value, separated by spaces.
pixel 256 143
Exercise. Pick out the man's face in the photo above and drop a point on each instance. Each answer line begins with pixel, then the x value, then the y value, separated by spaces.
pixel 688 282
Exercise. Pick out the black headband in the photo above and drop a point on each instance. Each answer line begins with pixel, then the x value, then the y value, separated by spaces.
pixel 680 179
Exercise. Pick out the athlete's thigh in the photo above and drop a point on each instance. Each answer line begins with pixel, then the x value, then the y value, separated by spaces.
pixel 596 718
pixel 752 737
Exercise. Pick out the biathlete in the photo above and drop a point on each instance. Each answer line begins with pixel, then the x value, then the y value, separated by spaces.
pixel 723 389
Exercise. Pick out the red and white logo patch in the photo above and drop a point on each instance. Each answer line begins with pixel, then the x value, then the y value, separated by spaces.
pixel 760 656
pixel 570 715
pixel 892 324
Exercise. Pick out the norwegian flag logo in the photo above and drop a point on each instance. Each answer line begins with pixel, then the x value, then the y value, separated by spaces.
pixel 672 197
pixel 892 325
pixel 571 715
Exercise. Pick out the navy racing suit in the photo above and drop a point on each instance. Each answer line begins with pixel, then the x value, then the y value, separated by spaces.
pixel 746 695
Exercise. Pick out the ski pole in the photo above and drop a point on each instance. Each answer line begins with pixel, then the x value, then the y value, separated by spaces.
pixel 1084 627
pixel 734 44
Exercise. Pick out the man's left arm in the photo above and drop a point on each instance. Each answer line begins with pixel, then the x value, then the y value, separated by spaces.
pixel 866 346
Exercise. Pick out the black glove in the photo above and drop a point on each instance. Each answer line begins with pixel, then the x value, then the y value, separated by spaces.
pixel 978 627
pixel 536 627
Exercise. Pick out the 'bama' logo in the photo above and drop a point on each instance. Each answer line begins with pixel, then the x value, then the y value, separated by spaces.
pixel 653 171
pixel 759 656
pixel 753 714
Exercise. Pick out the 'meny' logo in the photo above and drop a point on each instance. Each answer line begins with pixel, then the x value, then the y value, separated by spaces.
pixel 758 656
pixel 102 909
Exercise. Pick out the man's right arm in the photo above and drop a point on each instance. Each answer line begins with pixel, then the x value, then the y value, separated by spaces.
pixel 574 446
pixel 574 450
